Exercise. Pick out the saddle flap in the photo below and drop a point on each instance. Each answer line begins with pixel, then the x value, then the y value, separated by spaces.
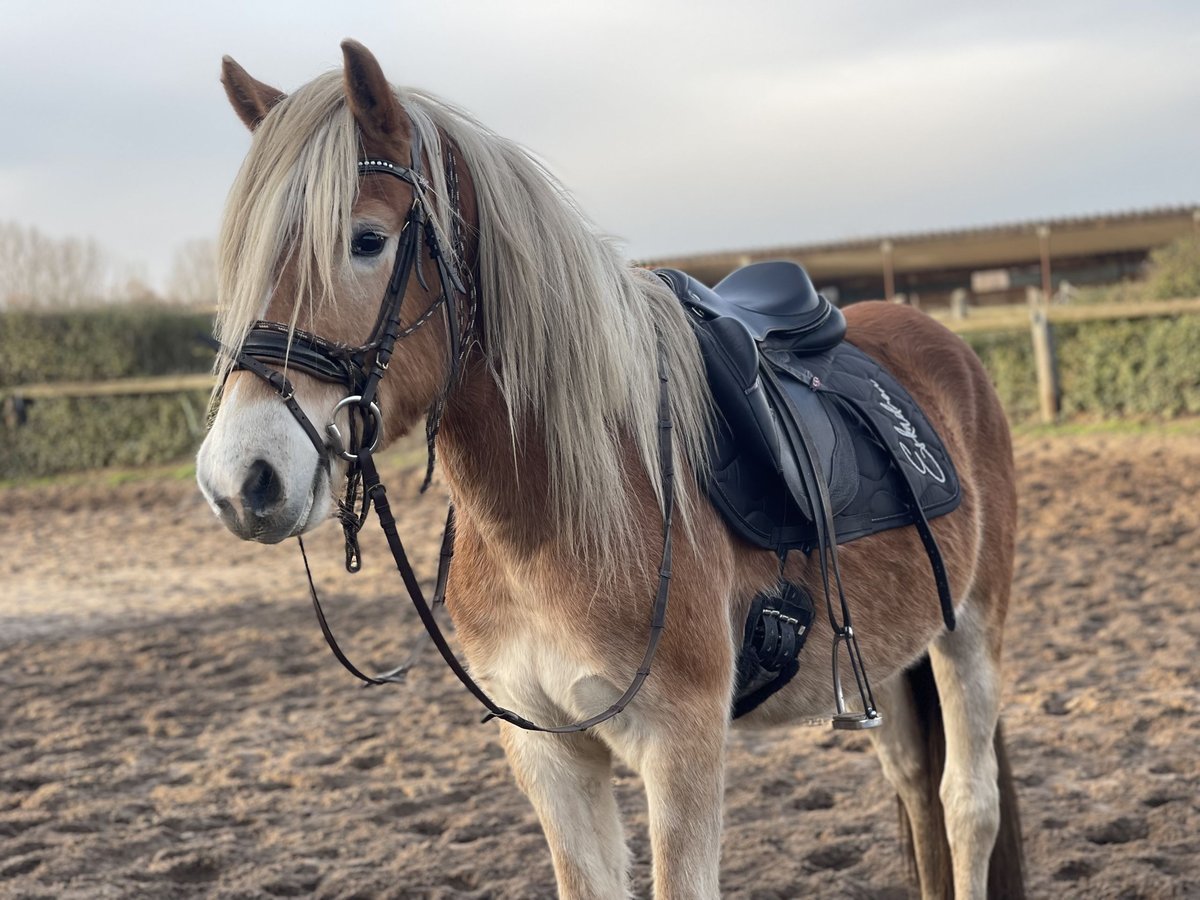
pixel 749 436
pixel 831 442
pixel 731 362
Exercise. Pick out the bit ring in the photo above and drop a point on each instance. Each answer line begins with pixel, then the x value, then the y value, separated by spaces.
pixel 335 433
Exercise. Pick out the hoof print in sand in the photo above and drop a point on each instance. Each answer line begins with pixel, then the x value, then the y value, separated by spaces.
pixel 184 867
pixel 1120 830
pixel 1075 870
pixel 835 856
pixel 817 798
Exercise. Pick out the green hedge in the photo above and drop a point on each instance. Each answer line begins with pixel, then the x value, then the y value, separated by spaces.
pixel 75 433
pixel 99 344
pixel 67 434
pixel 1138 367
pixel 1141 367
pixel 1008 357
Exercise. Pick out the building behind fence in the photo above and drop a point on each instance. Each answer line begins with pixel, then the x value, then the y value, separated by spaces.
pixel 993 265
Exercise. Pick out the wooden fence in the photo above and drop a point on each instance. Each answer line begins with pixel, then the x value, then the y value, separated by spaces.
pixel 1037 316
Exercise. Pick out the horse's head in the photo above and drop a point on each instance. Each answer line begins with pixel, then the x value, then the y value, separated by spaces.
pixel 339 264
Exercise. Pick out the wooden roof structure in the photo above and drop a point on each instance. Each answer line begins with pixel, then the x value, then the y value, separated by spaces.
pixel 953 255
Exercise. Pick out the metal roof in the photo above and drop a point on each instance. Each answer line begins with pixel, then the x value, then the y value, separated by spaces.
pixel 985 247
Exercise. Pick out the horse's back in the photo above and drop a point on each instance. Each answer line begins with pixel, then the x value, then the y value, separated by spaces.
pixel 942 373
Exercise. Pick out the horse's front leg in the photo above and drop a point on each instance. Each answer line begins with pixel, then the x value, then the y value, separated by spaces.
pixel 568 778
pixel 681 758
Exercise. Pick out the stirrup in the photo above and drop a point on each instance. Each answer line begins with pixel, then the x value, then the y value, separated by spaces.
pixel 845 719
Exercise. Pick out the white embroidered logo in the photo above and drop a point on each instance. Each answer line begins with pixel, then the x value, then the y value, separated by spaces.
pixel 914 451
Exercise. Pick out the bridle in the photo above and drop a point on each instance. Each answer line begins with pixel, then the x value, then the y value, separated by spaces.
pixel 361 369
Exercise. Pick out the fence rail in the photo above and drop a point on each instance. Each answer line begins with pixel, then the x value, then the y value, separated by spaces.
pixel 14 401
pixel 1016 317
pixel 116 387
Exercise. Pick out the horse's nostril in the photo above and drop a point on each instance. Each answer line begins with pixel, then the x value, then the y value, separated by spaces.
pixel 261 491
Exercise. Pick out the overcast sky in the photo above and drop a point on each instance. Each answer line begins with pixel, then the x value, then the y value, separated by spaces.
pixel 681 127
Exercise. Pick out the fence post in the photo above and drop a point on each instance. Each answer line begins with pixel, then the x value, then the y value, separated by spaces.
pixel 1043 356
pixel 958 303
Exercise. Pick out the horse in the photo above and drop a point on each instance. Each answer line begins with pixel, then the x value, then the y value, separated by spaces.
pixel 543 396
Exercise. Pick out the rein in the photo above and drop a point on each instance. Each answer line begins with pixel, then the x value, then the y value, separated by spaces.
pixel 360 370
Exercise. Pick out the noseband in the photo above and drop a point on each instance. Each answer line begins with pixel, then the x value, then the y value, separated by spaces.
pixel 360 370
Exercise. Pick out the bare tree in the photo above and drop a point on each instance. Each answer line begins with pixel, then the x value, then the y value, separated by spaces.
pixel 131 284
pixel 193 279
pixel 41 272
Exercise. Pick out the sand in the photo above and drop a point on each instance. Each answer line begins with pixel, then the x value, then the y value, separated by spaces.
pixel 171 724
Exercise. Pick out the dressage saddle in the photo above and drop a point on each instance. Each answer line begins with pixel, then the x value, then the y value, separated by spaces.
pixel 769 298
pixel 815 444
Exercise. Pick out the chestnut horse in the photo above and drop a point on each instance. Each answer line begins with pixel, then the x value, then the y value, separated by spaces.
pixel 548 444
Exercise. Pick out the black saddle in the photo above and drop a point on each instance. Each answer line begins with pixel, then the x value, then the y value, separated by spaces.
pixel 772 300
pixel 815 444
pixel 779 374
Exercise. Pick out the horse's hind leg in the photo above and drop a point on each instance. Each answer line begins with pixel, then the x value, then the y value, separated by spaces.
pixel 966 668
pixel 900 742
pixel 568 778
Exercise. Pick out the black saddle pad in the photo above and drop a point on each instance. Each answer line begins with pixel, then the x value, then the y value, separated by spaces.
pixel 835 392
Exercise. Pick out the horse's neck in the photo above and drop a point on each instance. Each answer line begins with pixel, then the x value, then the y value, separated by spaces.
pixel 500 488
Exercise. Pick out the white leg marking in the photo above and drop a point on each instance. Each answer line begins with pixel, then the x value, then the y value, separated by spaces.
pixel 568 778
pixel 682 762
pixel 899 743
pixel 968 682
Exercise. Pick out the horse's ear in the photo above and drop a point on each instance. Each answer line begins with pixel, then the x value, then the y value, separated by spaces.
pixel 251 99
pixel 369 94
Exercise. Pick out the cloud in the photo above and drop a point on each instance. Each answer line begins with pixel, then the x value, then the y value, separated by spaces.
pixel 680 126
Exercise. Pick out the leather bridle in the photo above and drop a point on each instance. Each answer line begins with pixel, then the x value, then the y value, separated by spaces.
pixel 361 369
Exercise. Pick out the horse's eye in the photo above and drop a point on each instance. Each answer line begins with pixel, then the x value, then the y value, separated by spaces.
pixel 369 243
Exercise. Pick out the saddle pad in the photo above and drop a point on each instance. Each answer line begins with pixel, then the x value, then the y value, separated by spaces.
pixel 752 496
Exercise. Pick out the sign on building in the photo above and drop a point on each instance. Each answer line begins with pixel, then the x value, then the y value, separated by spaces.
pixel 985 281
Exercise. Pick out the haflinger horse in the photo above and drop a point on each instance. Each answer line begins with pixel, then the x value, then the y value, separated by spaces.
pixel 537 355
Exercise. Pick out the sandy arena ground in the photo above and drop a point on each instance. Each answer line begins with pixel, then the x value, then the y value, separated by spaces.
pixel 172 725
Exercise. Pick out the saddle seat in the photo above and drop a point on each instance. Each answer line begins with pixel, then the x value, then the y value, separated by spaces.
pixel 775 302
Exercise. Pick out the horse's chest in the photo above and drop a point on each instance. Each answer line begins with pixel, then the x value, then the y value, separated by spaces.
pixel 537 669
pixel 530 660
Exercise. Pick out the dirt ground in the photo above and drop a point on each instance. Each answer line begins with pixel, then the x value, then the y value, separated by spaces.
pixel 172 725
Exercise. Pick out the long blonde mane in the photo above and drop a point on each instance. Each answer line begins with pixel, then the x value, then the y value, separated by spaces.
pixel 570 329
